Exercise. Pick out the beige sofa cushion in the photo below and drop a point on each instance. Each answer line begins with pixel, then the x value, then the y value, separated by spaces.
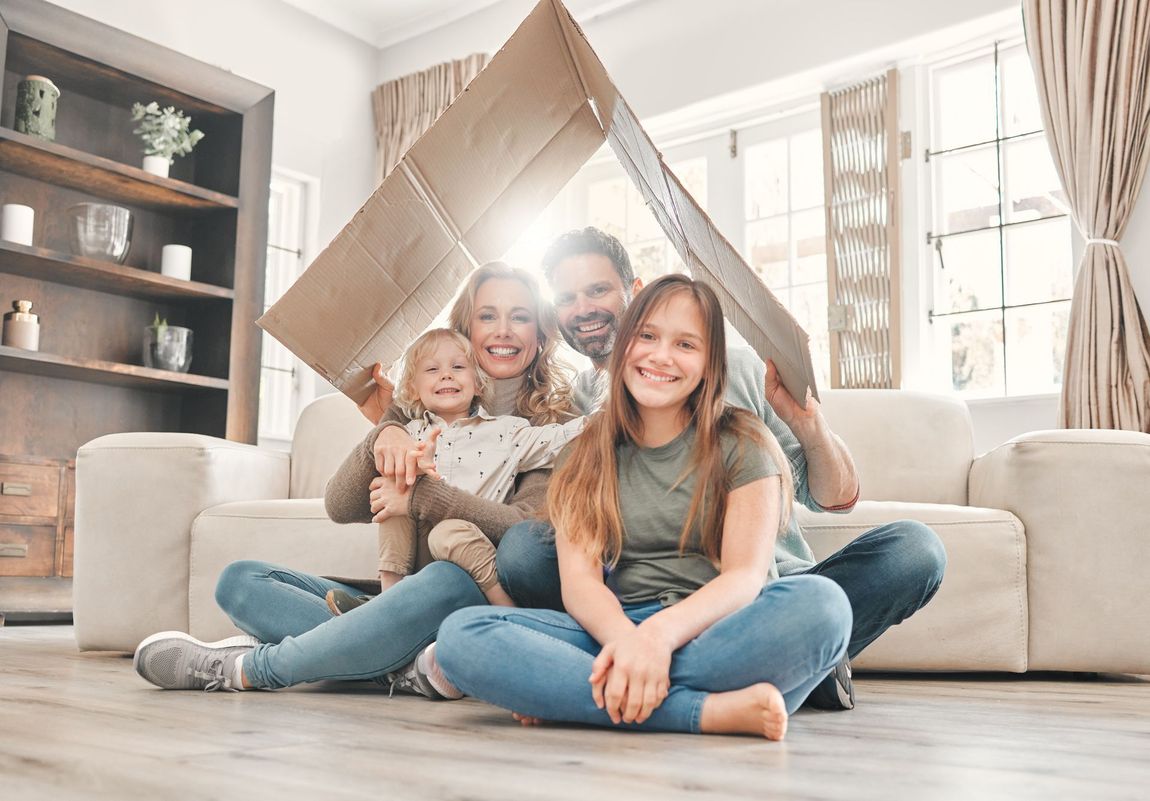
pixel 907 446
pixel 290 533
pixel 978 619
pixel 328 428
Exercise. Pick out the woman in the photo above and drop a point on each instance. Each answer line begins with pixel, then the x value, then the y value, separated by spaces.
pixel 666 511
pixel 513 331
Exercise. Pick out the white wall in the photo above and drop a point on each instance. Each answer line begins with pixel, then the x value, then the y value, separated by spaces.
pixel 322 79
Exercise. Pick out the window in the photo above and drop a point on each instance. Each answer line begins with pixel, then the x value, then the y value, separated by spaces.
pixel 1000 234
pixel 615 206
pixel 785 231
pixel 286 384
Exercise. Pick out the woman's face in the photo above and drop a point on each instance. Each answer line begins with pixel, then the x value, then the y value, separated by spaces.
pixel 666 358
pixel 504 327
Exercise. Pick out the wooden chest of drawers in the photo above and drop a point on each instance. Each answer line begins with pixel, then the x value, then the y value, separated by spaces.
pixel 37 506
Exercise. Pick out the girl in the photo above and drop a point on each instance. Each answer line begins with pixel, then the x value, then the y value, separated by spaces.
pixel 666 512
pixel 469 448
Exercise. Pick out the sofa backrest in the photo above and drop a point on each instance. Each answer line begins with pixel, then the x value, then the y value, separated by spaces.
pixel 907 446
pixel 328 428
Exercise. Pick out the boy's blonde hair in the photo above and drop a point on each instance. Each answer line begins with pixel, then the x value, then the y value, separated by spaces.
pixel 406 394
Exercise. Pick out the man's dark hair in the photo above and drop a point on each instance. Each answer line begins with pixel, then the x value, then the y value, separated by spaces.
pixel 581 241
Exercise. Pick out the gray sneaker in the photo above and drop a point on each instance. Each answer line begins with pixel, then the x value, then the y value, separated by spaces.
pixel 173 660
pixel 422 676
pixel 836 691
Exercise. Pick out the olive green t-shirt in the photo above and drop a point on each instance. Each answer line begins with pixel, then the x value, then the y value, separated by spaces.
pixel 653 509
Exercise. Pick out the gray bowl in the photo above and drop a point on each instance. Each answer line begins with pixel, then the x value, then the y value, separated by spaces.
pixel 100 231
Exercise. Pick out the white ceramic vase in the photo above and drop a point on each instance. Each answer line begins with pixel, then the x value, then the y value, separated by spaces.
pixel 157 165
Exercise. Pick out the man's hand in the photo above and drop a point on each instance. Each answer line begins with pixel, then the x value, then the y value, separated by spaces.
pixel 785 406
pixel 388 499
pixel 631 676
pixel 379 401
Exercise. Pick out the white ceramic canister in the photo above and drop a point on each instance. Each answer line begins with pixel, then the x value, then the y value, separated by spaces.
pixel 22 327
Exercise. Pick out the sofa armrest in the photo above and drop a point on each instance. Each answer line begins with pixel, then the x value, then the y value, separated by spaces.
pixel 136 497
pixel 1079 495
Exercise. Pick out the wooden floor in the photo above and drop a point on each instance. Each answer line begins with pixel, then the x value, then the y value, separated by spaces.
pixel 85 726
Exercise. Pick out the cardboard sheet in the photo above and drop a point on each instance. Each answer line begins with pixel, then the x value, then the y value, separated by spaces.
pixel 469 187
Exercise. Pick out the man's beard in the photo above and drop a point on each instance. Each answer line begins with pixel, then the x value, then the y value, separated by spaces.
pixel 598 346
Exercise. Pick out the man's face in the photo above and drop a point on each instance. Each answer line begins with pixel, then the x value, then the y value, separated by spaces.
pixel 589 299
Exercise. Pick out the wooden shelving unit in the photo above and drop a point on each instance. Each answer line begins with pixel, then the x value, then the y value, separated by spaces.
pixel 87 379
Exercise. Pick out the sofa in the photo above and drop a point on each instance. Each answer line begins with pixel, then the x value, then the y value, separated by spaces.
pixel 1046 543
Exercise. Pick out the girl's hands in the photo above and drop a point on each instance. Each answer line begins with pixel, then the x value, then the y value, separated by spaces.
pixel 631 676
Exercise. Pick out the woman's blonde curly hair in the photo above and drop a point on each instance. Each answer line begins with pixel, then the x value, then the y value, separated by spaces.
pixel 546 396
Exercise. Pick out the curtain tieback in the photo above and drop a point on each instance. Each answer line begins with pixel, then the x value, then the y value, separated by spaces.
pixel 1113 242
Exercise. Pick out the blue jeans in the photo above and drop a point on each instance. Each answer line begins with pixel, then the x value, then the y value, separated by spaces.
pixel 888 573
pixel 303 641
pixel 536 661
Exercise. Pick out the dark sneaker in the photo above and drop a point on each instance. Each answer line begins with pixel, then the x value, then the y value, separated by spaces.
pixel 836 691
pixel 423 677
pixel 340 602
pixel 173 660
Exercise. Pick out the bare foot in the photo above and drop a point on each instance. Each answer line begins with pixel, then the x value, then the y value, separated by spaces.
pixel 758 709
pixel 527 720
pixel 497 596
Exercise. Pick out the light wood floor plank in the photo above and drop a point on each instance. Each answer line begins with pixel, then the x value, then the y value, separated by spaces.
pixel 84 726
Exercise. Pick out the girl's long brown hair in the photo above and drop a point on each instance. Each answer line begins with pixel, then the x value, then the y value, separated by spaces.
pixel 583 498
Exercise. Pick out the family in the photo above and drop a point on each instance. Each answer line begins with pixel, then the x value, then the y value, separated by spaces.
pixel 618 550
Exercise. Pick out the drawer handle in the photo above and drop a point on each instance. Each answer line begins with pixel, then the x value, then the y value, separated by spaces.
pixel 8 488
pixel 18 551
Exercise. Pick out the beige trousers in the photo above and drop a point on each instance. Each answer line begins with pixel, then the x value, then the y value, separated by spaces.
pixel 401 551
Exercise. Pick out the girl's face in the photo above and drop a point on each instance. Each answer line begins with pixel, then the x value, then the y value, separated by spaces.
pixel 666 359
pixel 445 381
pixel 504 327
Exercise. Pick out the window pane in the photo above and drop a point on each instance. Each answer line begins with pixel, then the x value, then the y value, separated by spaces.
pixel 809 306
pixel 607 206
pixel 976 355
pixel 807 228
pixel 692 174
pixel 807 170
pixel 1036 342
pixel 966 190
pixel 648 259
pixel 968 276
pixel 768 249
pixel 1039 262
pixel 1021 112
pixel 766 179
pixel 1031 184
pixel 964 104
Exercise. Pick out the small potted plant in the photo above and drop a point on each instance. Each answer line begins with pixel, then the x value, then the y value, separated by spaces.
pixel 167 347
pixel 165 134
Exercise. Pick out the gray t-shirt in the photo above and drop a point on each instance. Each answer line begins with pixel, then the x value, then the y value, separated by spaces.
pixel 746 374
pixel 651 567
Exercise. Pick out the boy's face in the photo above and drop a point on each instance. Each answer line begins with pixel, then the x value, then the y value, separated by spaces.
pixel 445 381
pixel 589 299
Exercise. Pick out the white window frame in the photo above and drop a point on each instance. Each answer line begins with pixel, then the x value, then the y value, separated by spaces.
pixel 920 369
pixel 304 230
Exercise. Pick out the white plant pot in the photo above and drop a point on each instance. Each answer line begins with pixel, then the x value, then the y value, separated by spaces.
pixel 157 165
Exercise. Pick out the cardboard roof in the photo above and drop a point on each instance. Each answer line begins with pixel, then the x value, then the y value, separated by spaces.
pixel 472 184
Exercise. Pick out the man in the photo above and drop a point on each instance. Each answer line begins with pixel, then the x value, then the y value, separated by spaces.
pixel 888 573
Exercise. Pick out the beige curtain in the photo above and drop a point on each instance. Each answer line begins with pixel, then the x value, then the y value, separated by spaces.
pixel 406 107
pixel 1091 63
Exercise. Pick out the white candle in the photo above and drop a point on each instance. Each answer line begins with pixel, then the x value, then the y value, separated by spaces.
pixel 16 223
pixel 177 262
